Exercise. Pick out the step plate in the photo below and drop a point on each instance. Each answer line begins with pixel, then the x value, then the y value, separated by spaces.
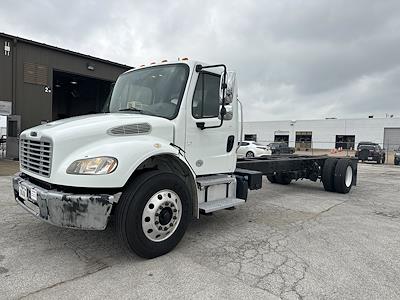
pixel 215 179
pixel 207 207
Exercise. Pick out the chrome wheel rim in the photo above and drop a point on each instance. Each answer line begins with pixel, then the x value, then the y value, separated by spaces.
pixel 161 215
pixel 349 176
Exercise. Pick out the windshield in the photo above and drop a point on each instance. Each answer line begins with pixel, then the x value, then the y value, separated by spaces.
pixel 155 91
pixel 369 147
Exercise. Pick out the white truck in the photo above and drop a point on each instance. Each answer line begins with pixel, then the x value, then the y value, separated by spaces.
pixel 163 154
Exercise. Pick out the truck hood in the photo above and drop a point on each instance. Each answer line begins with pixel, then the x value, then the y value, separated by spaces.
pixel 92 127
pixel 48 150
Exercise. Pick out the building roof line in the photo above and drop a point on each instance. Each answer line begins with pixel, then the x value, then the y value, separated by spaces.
pixel 23 40
pixel 329 119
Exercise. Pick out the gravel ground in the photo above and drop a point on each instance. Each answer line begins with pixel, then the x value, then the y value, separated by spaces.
pixel 290 242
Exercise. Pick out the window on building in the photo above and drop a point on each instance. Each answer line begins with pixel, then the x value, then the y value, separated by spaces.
pixel 303 140
pixel 282 138
pixel 206 96
pixel 250 137
pixel 345 141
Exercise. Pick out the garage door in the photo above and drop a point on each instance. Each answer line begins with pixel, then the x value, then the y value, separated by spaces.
pixel 391 139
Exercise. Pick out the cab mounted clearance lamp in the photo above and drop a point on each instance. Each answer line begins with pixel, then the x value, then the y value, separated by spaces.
pixel 93 166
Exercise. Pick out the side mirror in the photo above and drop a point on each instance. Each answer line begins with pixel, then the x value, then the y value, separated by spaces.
pixel 230 87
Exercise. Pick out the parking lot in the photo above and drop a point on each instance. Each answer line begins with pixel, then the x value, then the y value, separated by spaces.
pixel 292 242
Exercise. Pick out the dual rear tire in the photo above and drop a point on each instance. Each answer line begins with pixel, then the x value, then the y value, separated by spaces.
pixel 338 175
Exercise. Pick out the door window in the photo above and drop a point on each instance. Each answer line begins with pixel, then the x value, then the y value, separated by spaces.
pixel 206 96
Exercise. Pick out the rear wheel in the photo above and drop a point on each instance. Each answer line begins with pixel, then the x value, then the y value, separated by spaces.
pixel 249 154
pixel 343 176
pixel 328 173
pixel 153 213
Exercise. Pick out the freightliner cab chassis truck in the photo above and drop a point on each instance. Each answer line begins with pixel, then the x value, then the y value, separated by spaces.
pixel 165 152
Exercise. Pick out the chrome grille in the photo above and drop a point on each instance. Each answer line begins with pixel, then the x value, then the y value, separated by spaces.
pixel 35 156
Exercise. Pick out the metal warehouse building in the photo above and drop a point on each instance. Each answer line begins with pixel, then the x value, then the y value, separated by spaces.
pixel 41 83
pixel 328 133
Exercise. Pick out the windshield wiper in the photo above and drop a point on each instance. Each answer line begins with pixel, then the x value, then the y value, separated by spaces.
pixel 131 109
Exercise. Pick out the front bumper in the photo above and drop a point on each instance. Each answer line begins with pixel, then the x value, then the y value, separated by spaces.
pixel 80 211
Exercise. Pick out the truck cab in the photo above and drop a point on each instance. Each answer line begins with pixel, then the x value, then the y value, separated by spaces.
pixel 163 153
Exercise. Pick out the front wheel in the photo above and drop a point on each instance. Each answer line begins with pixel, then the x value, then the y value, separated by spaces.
pixel 249 154
pixel 153 213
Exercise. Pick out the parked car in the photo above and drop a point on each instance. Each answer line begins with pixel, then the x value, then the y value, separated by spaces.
pixel 252 149
pixel 280 148
pixel 368 151
pixel 397 157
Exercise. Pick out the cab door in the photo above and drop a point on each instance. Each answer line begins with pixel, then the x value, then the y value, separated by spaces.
pixel 210 150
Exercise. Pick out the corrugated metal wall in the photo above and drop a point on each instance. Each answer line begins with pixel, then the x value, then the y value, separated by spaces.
pixel 33 66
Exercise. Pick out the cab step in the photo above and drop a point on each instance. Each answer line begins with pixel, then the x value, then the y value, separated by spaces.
pixel 208 207
pixel 215 180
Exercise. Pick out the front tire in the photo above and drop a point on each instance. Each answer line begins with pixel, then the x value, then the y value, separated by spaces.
pixel 153 213
pixel 250 154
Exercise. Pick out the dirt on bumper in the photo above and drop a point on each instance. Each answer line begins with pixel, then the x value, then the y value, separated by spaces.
pixel 80 211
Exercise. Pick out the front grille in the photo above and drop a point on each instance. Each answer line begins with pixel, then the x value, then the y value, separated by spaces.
pixel 35 156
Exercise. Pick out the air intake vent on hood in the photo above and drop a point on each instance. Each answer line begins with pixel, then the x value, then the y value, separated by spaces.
pixel 130 129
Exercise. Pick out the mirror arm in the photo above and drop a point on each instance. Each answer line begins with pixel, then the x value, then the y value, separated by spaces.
pixel 201 125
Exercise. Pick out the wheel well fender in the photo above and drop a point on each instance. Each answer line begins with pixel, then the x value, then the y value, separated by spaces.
pixel 172 163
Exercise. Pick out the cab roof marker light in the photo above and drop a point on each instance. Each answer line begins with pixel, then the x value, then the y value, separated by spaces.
pixel 142 66
pixel 153 63
pixel 185 58
pixel 163 61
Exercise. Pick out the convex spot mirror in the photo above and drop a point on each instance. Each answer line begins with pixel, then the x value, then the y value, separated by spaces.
pixel 230 87
pixel 228 113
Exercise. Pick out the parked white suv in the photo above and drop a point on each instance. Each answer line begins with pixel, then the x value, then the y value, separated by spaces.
pixel 251 149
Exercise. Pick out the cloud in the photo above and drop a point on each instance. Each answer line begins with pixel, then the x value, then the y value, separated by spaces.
pixel 295 59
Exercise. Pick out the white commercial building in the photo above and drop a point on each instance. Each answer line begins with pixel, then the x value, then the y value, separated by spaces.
pixel 328 133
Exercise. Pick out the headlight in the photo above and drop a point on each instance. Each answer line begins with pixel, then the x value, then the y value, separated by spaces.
pixel 93 166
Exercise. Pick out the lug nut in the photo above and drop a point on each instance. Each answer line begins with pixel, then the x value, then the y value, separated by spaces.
pixel 159 228
pixel 174 217
pixel 170 224
pixel 156 222
pixel 165 228
pixel 175 210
